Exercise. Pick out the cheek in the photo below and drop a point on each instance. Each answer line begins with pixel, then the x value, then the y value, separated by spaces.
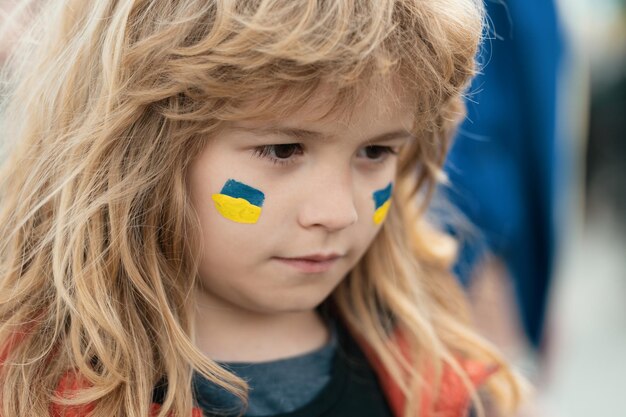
pixel 239 202
pixel 373 212
pixel 382 201
pixel 230 220
pixel 227 210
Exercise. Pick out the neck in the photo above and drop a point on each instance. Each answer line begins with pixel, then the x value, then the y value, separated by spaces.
pixel 230 334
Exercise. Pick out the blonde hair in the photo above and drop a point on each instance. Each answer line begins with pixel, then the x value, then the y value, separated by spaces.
pixel 109 103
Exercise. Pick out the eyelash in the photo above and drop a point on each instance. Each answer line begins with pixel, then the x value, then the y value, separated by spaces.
pixel 267 152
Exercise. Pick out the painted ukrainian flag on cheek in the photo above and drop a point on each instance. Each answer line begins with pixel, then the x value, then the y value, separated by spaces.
pixel 382 201
pixel 239 202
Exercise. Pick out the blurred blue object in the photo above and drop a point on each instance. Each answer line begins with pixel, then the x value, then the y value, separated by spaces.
pixel 504 165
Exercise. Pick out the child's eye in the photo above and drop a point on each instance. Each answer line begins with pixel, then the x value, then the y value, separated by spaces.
pixel 279 154
pixel 377 153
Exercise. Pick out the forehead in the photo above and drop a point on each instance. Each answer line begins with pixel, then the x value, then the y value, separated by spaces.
pixel 374 108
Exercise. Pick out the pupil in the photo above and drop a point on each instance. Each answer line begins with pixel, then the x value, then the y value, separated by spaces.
pixel 284 151
pixel 373 152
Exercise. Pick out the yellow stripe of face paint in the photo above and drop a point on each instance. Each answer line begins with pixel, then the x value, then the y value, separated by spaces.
pixel 381 212
pixel 236 209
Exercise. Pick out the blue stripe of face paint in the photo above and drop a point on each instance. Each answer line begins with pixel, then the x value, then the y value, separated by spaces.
pixel 381 196
pixel 238 189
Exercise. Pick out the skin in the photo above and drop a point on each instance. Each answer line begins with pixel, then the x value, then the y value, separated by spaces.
pixel 318 199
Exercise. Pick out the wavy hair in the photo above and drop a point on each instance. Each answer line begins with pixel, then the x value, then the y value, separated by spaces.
pixel 107 102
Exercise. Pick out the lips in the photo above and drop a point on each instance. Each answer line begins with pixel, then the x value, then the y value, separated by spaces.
pixel 314 263
pixel 317 257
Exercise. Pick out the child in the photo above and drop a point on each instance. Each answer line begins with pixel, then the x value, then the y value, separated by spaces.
pixel 202 197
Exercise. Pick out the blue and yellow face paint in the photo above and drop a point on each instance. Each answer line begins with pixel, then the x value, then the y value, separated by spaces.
pixel 239 202
pixel 382 201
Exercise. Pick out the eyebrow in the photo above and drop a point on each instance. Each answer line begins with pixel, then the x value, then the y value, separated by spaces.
pixel 309 135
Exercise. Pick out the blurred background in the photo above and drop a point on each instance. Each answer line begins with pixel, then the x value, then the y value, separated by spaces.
pixel 585 366
pixel 539 172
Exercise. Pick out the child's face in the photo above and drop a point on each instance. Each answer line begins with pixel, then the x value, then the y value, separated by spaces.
pixel 269 193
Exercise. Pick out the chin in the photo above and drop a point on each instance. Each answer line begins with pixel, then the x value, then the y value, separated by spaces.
pixel 288 303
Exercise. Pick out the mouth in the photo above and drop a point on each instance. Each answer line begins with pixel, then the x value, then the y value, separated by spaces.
pixel 311 264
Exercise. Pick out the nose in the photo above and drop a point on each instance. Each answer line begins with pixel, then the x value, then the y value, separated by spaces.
pixel 328 203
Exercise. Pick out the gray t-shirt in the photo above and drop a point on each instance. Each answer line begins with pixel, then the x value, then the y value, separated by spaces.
pixel 276 387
